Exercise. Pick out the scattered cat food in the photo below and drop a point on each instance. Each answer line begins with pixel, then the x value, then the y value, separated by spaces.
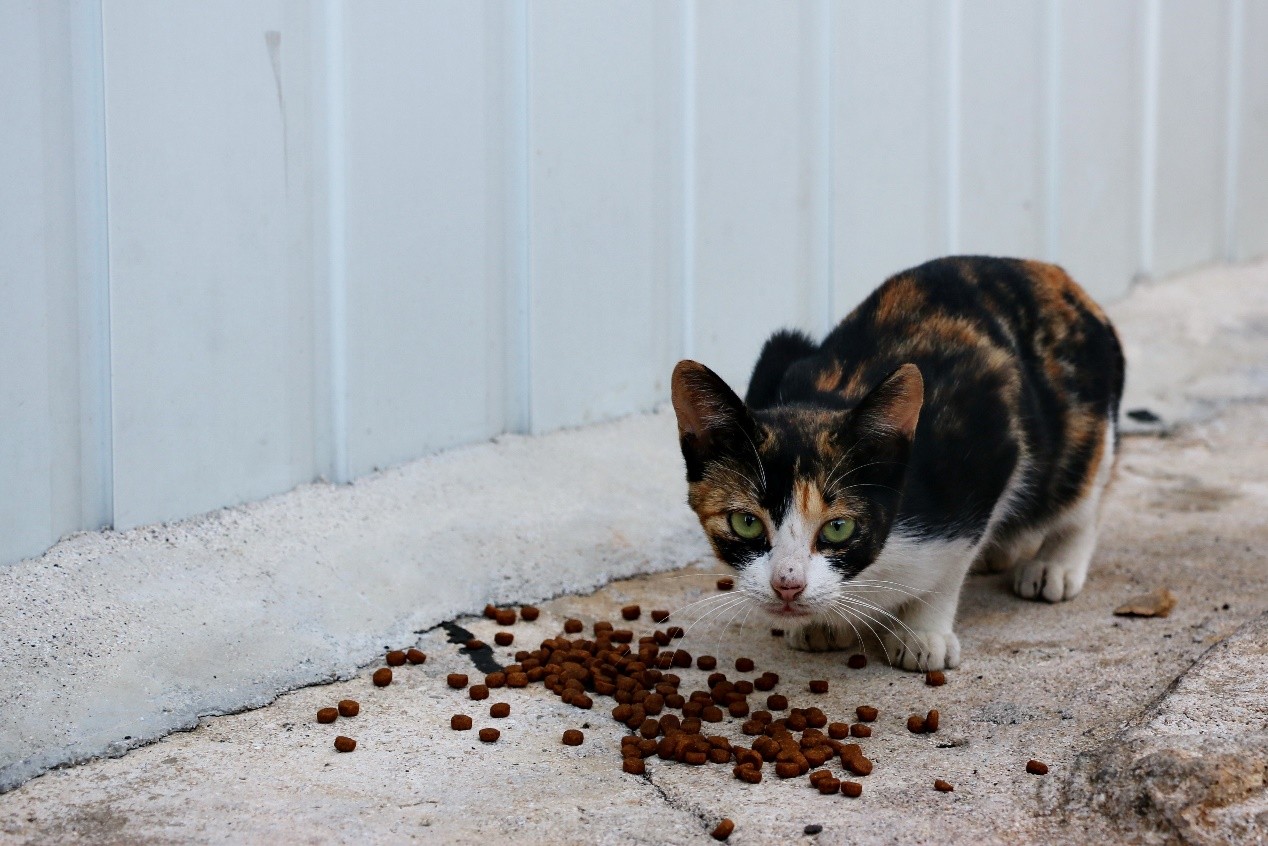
pixel 382 677
pixel 748 773
pixel 460 722
pixel 633 766
pixel 573 737
pixel 495 679
pixel 504 638
pixel 395 658
pixel 818 685
pixel 744 665
pixel 852 789
pixel 491 611
pixel 935 678
pixel 349 707
pixel 489 735
pixel 1158 603
pixel 866 713
pixel 416 656
pixel 724 829
pixel 828 786
pixel 777 702
pixel 726 583
pixel 506 617
pixel 516 679
pixel 944 786
pixel 327 715
pixel 776 632
pixel 858 764
pixel 478 692
pixel 675 631
pixel 931 721
pixel 499 710
pixel 529 613
pixel 345 744
pixel 916 724
pixel 1036 767
pixel 860 730
pixel 856 662
pixel 631 612
pixel 572 626
pixel 707 662
pixel 813 828
pixel 659 615
pixel 475 644
pixel 456 680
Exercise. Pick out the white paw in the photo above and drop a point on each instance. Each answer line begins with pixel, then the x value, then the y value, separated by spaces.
pixel 818 637
pixel 924 651
pixel 1049 580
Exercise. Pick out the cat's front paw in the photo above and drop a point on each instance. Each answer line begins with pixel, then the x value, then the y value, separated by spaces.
pixel 1048 580
pixel 818 637
pixel 924 651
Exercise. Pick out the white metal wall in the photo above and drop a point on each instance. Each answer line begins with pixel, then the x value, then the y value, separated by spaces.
pixel 255 242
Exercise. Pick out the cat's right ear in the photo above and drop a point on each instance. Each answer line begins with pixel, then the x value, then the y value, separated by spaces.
pixel 708 412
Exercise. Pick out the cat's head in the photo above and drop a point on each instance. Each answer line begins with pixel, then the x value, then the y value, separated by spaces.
pixel 799 499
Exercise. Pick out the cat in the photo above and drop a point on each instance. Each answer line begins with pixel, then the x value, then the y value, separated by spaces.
pixel 965 412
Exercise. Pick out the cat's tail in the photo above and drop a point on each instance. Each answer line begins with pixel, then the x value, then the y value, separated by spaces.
pixel 781 351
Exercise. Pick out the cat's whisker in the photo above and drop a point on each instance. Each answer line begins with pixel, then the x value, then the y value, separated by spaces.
pixel 858 636
pixel 714 610
pixel 878 609
pixel 845 613
pixel 864 586
pixel 845 475
pixel 855 606
pixel 701 604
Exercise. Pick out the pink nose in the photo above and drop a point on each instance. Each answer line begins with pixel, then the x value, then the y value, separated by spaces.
pixel 788 591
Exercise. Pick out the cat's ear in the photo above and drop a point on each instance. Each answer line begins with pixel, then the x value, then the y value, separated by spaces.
pixel 893 407
pixel 709 412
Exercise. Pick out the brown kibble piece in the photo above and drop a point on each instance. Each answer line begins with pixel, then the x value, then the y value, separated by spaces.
pixel 935 678
pixel 504 638
pixel 416 656
pixel 726 583
pixel 776 632
pixel 931 721
pixel 860 730
pixel 852 789
pixel 474 645
pixel 787 769
pixel 1156 604
pixel 529 613
pixel 506 617
pixel 828 786
pixel 457 680
pixel 724 829
pixel 838 731
pixel 573 737
pixel 818 685
pixel 460 722
pixel 706 662
pixel 349 707
pixel 382 677
pixel 744 665
pixel 777 702
pixel 495 679
pixel 395 658
pixel 517 680
pixel 631 612
pixel 490 611
pixel 858 764
pixel 738 708
pixel 327 715
pixel 659 615
pixel 866 713
pixel 819 775
pixel 1036 767
pixel 634 766
pixel 478 692
pixel 856 662
pixel 944 786
pixel 499 710
pixel 711 714
pixel 490 735
pixel 675 631
pixel 572 626
pixel 345 744
pixel 749 773
pixel 916 724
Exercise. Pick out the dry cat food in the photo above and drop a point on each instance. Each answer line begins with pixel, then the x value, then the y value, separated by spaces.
pixel 573 737
pixel 395 658
pixel 382 677
pixel 866 713
pixel 726 583
pixel 495 679
pixel 633 766
pixel 777 702
pixel 931 721
pixel 460 722
pixel 707 662
pixel 505 617
pixel 499 709
pixel 504 638
pixel 490 735
pixel 327 715
pixel 345 744
pixel 478 692
pixel 573 626
pixel 838 731
pixel 349 707
pixel 935 678
pixel 1036 767
pixel 744 665
pixel 631 612
pixel 415 656
pixel 818 685
pixel 724 829
pixel 944 786
pixel 456 680
pixel 491 611
pixel 856 662
pixel 860 730
pixel 475 644
pixel 852 789
pixel 916 724
pixel 529 613
pixel 659 615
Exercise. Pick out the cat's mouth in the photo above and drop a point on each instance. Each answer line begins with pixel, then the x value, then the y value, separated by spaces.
pixel 789 609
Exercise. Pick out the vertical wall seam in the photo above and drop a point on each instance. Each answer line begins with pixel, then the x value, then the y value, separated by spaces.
pixel 689 179
pixel 1149 133
pixel 519 199
pixel 953 125
pixel 1053 38
pixel 828 212
pixel 337 246
pixel 1233 126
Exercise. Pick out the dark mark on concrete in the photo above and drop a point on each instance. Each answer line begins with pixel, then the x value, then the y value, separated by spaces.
pixel 482 658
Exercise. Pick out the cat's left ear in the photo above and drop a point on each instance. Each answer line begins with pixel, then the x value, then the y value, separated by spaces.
pixel 893 407
pixel 710 415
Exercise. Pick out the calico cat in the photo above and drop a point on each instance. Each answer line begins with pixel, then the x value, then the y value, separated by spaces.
pixel 965 411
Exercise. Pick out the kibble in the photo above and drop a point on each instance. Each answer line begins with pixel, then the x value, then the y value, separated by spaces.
pixel 345 744
pixel 517 679
pixel 1036 767
pixel 744 665
pixel 528 613
pixel 460 722
pixel 860 730
pixel 931 721
pixel 852 789
pixel 395 658
pixel 818 685
pixel 856 662
pixel 777 702
pixel 573 737
pixel 490 735
pixel 506 617
pixel 474 644
pixel 349 707
pixel 916 724
pixel 490 611
pixel 749 773
pixel 724 829
pixel 866 713
pixel 675 631
pixel 706 662
pixel 499 710
pixel 457 680
pixel 828 786
pixel 382 677
pixel 838 731
pixel 726 583
pixel 659 615
pixel 858 764
pixel 496 679
pixel 633 766
pixel 944 786
pixel 813 828
pixel 631 612
pixel 415 656
pixel 479 692
pixel 504 638
pixel 327 715
pixel 572 626
pixel 787 769
pixel 935 678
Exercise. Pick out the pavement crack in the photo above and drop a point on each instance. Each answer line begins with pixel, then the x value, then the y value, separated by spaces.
pixel 678 805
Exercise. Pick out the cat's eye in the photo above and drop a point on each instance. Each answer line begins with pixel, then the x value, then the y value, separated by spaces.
pixel 837 531
pixel 746 525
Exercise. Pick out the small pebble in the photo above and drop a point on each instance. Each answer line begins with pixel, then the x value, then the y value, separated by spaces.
pixel 489 735
pixel 528 613
pixel 504 638
pixel 631 612
pixel 349 707
pixel 457 680
pixel 382 677
pixel 573 737
pixel 329 715
pixel 499 709
pixel 1036 767
pixel 944 786
pixel 415 656
pixel 813 828
pixel 935 678
pixel 726 583
pixel 460 722
pixel 724 829
pixel 345 744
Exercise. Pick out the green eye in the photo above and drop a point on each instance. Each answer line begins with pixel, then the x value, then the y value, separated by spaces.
pixel 836 531
pixel 746 525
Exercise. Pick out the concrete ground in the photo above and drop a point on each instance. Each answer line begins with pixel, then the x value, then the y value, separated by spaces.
pixel 1155 729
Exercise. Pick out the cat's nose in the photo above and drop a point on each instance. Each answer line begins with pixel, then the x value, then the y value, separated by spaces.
pixel 788 591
